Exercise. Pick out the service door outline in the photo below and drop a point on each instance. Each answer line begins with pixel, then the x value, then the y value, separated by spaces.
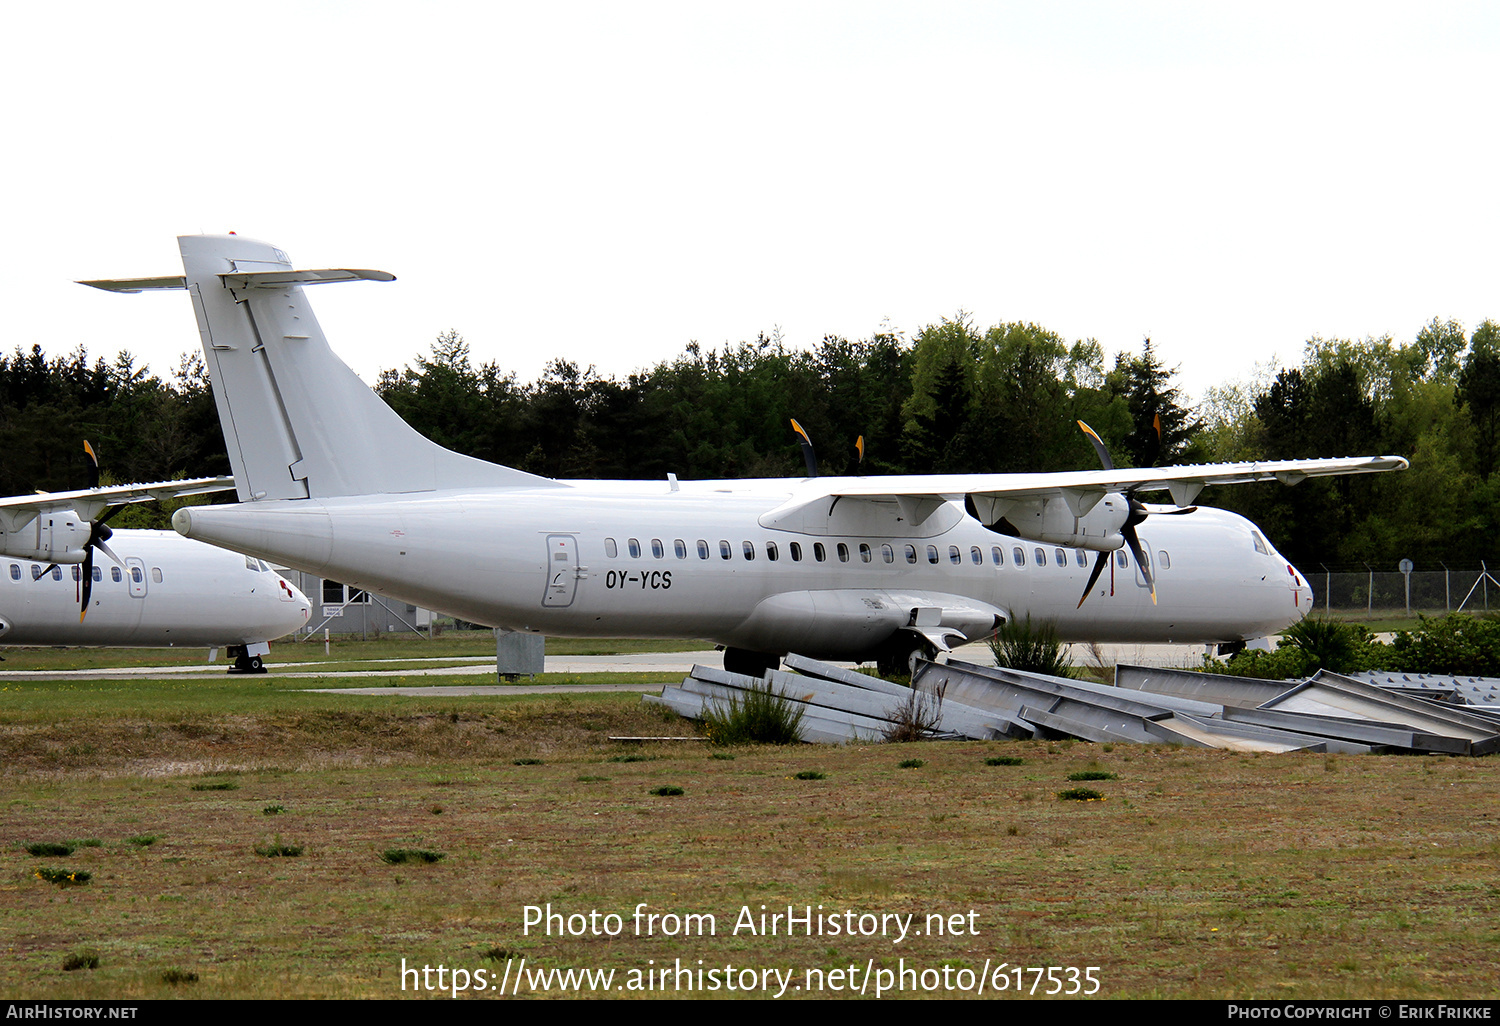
pixel 562 571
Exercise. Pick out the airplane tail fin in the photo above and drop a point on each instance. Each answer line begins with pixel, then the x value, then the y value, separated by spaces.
pixel 298 422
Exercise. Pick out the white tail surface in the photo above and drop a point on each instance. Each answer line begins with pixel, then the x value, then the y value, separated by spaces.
pixel 298 422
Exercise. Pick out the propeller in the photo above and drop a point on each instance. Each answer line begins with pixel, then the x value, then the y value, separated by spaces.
pixel 99 535
pixel 808 456
pixel 1137 514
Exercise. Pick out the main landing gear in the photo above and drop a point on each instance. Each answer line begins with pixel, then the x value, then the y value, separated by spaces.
pixel 751 664
pixel 900 655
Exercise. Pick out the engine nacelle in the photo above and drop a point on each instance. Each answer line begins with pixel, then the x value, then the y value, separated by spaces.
pixel 48 538
pixel 1054 520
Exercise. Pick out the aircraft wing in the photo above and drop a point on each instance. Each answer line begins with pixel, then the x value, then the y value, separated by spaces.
pixel 19 510
pixel 920 496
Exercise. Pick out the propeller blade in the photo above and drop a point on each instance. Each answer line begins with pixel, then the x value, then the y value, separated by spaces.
pixel 88 583
pixel 102 547
pixel 1099 562
pixel 93 462
pixel 45 571
pixel 1134 541
pixel 1099 446
pixel 808 456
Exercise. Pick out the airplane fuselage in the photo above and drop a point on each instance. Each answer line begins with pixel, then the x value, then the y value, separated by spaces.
pixel 169 592
pixel 695 560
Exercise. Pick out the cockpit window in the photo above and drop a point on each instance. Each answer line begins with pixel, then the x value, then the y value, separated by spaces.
pixel 1260 543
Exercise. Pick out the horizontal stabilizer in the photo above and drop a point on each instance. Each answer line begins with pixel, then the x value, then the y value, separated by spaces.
pixel 138 284
pixel 246 280
pixel 281 279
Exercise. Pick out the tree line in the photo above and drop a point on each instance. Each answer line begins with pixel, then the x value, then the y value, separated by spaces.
pixel 953 398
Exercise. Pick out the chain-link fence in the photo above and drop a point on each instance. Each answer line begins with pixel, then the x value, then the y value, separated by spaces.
pixel 1474 590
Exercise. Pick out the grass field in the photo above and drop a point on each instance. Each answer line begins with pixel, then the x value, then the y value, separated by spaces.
pixel 1199 874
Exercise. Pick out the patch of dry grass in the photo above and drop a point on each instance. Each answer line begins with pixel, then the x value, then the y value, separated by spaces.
pixel 1202 874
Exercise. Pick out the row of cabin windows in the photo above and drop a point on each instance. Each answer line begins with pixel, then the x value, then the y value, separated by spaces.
pixel 114 573
pixel 911 553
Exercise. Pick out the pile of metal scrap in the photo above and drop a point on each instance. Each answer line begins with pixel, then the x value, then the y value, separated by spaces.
pixel 1146 705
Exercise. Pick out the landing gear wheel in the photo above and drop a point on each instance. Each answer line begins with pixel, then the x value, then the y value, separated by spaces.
pixel 900 657
pixel 244 663
pixel 751 664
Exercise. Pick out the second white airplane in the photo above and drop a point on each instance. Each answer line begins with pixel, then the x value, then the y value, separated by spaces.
pixel 331 481
pixel 155 589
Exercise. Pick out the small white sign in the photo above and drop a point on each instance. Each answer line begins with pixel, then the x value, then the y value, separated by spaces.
pixel 333 610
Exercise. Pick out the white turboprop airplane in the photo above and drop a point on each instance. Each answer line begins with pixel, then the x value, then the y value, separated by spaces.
pixel 162 590
pixel 331 481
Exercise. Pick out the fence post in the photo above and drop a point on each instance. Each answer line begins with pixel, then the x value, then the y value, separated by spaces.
pixel 1447 589
pixel 1370 592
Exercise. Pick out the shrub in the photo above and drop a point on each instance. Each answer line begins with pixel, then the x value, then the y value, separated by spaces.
pixel 84 958
pixel 273 810
pixel 64 877
pixel 174 977
pixel 1092 775
pixel 1457 643
pixel 279 850
pixel 1031 647
pixel 143 840
pixel 401 856
pixel 667 791
pixel 1080 794
pixel 917 717
pixel 1004 760
pixel 812 775
pixel 755 716
pixel 55 849
pixel 220 785
pixel 912 764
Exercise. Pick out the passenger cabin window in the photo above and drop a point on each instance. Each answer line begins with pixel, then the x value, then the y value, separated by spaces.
pixel 1041 557
pixel 1163 562
pixel 932 554
pixel 135 574
pixel 843 553
pixel 77 573
pixel 954 556
pixel 679 547
pixel 635 548
pixel 610 548
pixel 156 575
pixel 1018 555
pixel 749 549
pixel 865 554
pixel 976 556
pixel 887 553
pixel 997 555
pixel 1121 560
pixel 796 550
pixel 36 572
pixel 725 551
pixel 819 553
pixel 702 549
pixel 114 574
pixel 771 552
pixel 657 548
pixel 15 571
pixel 98 574
pixel 1062 557
pixel 57 573
pixel 911 553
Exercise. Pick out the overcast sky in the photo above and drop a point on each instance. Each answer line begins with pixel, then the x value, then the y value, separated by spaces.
pixel 607 182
